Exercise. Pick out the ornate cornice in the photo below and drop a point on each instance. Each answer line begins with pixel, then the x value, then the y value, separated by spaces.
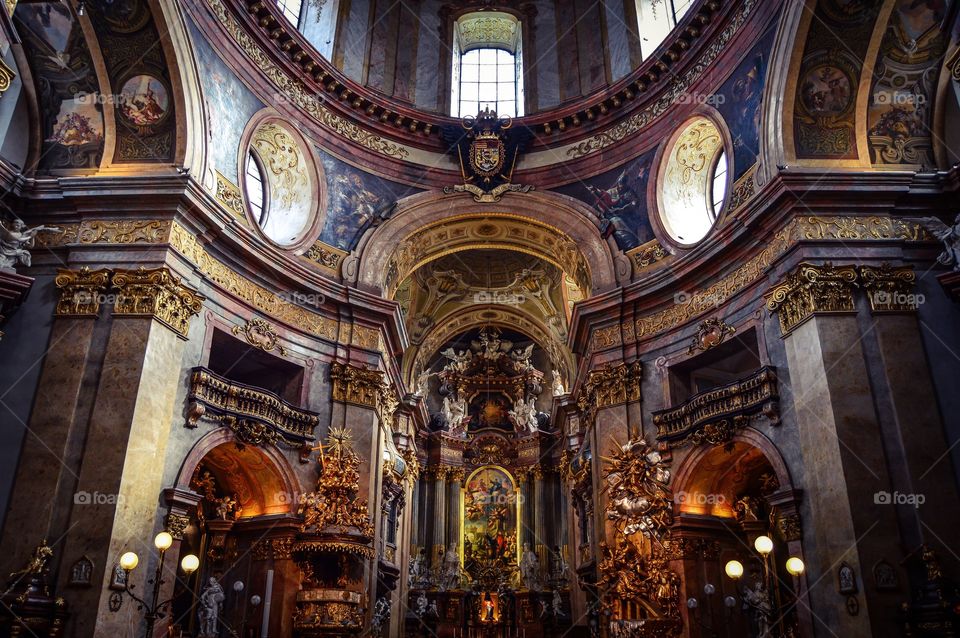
pixel 812 289
pixel 609 386
pixel 890 288
pixel 156 293
pixel 81 291
pixel 256 416
pixel 714 416
pixel 108 231
pixel 837 228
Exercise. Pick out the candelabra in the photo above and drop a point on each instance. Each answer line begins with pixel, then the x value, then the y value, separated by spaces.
pixel 154 609
pixel 765 602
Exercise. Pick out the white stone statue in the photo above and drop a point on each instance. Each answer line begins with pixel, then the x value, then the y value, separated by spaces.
pixel 421 605
pixel 557 605
pixel 15 240
pixel 757 600
pixel 949 235
pixel 458 359
pixel 558 389
pixel 450 578
pixel 454 411
pixel 423 383
pixel 210 604
pixel 381 615
pixel 529 568
pixel 559 568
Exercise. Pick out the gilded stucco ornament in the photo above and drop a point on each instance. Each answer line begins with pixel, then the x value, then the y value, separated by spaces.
pixel 890 288
pixel 81 291
pixel 812 289
pixel 177 524
pixel 640 591
pixel 609 386
pixel 710 334
pixel 156 293
pixel 260 334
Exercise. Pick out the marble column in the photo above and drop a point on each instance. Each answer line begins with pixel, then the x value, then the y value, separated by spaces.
pixel 840 441
pixel 44 487
pixel 541 505
pixel 454 484
pixel 526 508
pixel 130 421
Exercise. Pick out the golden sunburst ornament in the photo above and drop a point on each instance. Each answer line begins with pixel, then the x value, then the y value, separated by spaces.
pixel 339 439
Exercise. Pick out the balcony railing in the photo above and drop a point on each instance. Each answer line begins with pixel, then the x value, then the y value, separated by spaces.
pixel 713 416
pixel 247 409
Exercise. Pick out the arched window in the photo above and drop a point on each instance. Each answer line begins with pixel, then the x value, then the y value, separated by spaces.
pixel 487 67
pixel 657 18
pixel 291 10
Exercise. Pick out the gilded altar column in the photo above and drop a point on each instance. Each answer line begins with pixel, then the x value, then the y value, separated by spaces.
pixel 455 476
pixel 439 535
pixel 840 440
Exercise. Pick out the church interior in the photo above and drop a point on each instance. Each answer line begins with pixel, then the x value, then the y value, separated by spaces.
pixel 479 318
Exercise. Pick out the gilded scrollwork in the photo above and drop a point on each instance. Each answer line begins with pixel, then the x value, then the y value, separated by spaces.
pixel 890 288
pixel 811 289
pixel 229 195
pixel 260 334
pixel 608 386
pixel 156 293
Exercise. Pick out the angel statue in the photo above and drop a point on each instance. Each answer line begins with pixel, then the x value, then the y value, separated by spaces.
pixel 522 357
pixel 524 416
pixel 15 240
pixel 949 235
pixel 558 389
pixel 454 411
pixel 458 359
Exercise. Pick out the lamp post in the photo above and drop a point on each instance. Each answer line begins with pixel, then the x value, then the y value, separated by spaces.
pixel 764 546
pixel 154 609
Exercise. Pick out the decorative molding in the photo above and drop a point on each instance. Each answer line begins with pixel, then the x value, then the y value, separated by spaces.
pixel 609 386
pixel 744 189
pixel 674 92
pixel 229 195
pixel 156 293
pixel 109 231
pixel 302 96
pixel 710 334
pixel 6 73
pixel 368 388
pixel 788 526
pixel 648 254
pixel 890 288
pixel 177 524
pixel 326 256
pixel 714 416
pixel 812 289
pixel 256 416
pixel 80 291
pixel 687 548
pixel 260 334
pixel 280 548
pixel 706 300
pixel 264 300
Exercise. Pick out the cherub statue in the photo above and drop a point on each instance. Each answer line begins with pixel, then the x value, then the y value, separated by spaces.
pixel 949 235
pixel 15 240
pixel 423 383
pixel 226 508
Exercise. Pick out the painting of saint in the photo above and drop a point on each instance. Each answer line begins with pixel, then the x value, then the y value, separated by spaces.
pixel 618 199
pixel 143 100
pixel 356 201
pixel 740 102
pixel 490 515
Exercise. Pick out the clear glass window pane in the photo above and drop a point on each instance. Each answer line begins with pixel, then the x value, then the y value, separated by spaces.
pixel 469 93
pixel 487 56
pixel 488 73
pixel 470 73
pixel 469 108
pixel 488 92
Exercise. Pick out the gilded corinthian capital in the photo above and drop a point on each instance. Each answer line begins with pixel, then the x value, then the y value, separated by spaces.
pixel 810 289
pixel 80 291
pixel 157 293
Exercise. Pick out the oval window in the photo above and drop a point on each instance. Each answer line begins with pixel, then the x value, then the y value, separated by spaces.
pixel 279 184
pixel 694 184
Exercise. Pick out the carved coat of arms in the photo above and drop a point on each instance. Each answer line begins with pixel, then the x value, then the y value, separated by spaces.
pixel 487 147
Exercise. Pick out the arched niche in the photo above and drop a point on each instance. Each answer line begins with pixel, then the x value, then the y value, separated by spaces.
pixel 554 227
pixel 465 319
pixel 261 477
pixel 707 480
